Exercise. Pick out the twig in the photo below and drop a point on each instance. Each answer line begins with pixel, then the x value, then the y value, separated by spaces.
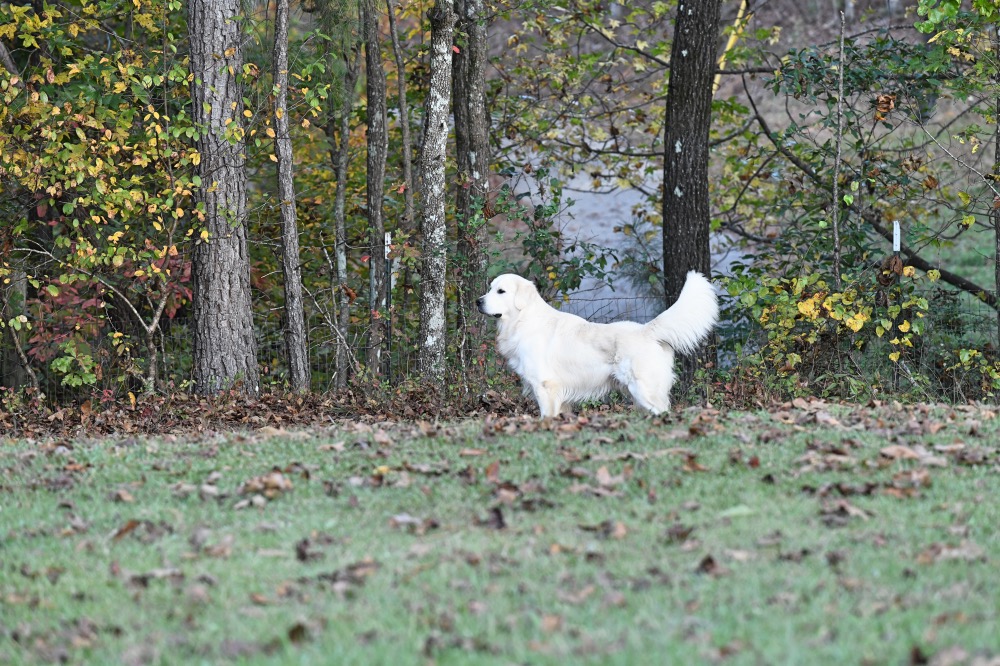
pixel 22 357
pixel 336 330
pixel 836 163
pixel 872 218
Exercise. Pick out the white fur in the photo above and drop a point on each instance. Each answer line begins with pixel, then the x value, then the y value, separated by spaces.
pixel 564 359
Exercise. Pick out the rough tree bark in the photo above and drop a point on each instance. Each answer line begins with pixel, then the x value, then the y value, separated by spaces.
pixel 225 351
pixel 473 160
pixel 338 135
pixel 995 211
pixel 15 367
pixel 378 145
pixel 431 357
pixel 409 210
pixel 686 212
pixel 295 325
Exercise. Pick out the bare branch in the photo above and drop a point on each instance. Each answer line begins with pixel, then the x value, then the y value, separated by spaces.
pixel 872 217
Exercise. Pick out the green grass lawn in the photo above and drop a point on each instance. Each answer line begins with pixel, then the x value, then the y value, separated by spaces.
pixel 812 535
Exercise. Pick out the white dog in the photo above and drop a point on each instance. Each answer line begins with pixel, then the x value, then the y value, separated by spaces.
pixel 563 359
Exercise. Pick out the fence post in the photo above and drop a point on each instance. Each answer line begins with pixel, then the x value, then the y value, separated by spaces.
pixel 896 245
pixel 388 307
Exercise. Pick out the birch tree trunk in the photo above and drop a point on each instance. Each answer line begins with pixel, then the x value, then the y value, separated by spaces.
pixel 378 144
pixel 295 325
pixel 225 352
pixel 431 357
pixel 686 213
pixel 473 160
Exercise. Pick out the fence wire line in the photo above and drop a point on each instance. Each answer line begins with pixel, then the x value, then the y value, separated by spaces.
pixel 954 322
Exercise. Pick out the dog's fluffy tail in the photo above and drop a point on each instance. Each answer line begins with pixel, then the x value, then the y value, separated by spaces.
pixel 689 320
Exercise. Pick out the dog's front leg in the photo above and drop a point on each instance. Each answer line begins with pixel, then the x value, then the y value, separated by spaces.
pixel 549 399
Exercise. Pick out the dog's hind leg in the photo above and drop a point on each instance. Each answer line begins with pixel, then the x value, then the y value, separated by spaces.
pixel 650 388
pixel 655 404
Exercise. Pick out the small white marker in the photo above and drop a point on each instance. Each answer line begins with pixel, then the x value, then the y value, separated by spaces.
pixel 895 236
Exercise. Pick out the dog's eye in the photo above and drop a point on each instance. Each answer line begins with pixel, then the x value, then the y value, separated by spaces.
pixel 500 291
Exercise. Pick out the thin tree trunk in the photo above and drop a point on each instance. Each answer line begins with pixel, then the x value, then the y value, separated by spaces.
pixel 473 159
pixel 463 184
pixel 15 367
pixel 339 155
pixel 23 358
pixel 409 210
pixel 8 63
pixel 836 165
pixel 295 326
pixel 225 352
pixel 996 172
pixel 431 358
pixel 686 212
pixel 409 222
pixel 378 144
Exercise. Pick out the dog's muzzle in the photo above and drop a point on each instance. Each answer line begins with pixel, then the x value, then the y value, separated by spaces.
pixel 479 306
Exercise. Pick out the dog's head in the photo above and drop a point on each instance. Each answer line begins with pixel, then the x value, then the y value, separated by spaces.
pixel 508 295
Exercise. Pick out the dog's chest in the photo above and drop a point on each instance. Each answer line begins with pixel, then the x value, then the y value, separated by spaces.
pixel 517 349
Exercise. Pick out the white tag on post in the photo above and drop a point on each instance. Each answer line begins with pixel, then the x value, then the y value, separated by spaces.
pixel 895 236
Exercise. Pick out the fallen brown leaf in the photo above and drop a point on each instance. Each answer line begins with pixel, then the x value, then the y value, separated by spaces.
pixel 709 566
pixel 125 529
pixel 899 452
pixel 691 464
pixel 966 551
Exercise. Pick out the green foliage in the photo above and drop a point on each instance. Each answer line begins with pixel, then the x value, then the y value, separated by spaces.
pixel 76 366
pixel 96 151
pixel 946 13
pixel 977 368
pixel 555 264
pixel 98 160
pixel 867 338
pixel 812 332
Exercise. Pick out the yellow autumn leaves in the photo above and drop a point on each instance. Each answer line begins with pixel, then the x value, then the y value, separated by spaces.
pixel 820 304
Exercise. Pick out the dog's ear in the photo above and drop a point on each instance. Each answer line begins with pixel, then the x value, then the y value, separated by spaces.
pixel 523 294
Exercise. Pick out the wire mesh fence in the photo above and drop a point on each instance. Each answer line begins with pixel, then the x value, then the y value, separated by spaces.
pixel 954 321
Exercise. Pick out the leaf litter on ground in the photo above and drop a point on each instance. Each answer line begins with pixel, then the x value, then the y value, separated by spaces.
pixel 394 539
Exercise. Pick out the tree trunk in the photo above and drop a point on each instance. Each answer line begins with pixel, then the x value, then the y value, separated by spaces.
pixel 339 154
pixel 431 358
pixel 225 352
pixel 15 368
pixel 409 210
pixel 473 160
pixel 995 211
pixel 378 144
pixel 686 213
pixel 295 326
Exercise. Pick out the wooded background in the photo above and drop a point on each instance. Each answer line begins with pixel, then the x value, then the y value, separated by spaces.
pixel 267 196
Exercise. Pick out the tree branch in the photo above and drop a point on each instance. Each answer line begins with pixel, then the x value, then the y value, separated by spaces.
pixel 872 218
pixel 8 62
